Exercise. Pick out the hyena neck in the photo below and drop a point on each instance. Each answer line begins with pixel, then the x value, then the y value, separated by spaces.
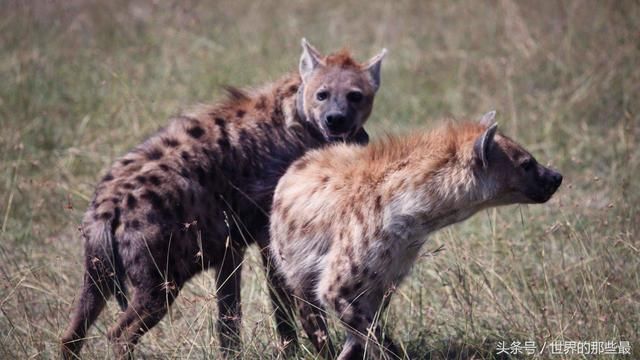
pixel 288 138
pixel 448 196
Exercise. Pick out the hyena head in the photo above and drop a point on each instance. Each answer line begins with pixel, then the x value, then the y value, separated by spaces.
pixel 337 94
pixel 508 171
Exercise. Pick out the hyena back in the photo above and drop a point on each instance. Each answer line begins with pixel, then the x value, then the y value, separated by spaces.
pixel 195 194
pixel 347 222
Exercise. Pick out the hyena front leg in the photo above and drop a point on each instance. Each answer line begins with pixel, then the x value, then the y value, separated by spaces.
pixel 228 294
pixel 282 303
pixel 363 333
pixel 314 324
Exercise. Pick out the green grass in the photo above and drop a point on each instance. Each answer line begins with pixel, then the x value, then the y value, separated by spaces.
pixel 81 82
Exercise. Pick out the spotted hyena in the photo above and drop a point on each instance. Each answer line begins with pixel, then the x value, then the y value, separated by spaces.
pixel 347 222
pixel 195 194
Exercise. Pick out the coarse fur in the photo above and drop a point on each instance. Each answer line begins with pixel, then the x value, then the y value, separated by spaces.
pixel 347 222
pixel 196 193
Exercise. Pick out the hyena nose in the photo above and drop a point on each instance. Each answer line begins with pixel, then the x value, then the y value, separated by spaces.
pixel 336 121
pixel 556 179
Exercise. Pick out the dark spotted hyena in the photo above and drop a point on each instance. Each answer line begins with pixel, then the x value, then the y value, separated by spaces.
pixel 195 194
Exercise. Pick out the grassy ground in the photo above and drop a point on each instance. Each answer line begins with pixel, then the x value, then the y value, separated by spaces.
pixel 81 82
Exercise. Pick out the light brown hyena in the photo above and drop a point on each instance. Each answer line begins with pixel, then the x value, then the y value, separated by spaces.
pixel 347 222
pixel 166 210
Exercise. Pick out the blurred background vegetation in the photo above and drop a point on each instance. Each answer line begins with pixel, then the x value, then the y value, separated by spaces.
pixel 81 82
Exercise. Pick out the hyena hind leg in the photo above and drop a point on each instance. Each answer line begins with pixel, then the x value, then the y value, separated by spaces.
pixel 148 306
pixel 92 299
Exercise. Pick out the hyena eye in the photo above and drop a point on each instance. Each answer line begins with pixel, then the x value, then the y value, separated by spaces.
pixel 527 164
pixel 354 96
pixel 322 95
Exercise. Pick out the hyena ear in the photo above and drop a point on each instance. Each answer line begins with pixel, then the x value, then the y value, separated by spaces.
pixel 309 60
pixel 483 144
pixel 373 66
pixel 488 119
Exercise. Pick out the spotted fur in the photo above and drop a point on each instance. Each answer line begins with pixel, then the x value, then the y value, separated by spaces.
pixel 196 193
pixel 348 222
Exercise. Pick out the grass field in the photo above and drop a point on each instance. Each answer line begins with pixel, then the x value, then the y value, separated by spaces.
pixel 81 82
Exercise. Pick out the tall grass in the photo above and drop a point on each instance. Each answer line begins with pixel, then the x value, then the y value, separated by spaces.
pixel 81 82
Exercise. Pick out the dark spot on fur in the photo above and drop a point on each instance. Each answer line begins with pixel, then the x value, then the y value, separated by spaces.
pixel 302 163
pixel 378 204
pixel 354 270
pixel 141 179
pixel 185 155
pixel 325 179
pixel 154 154
pixel 131 201
pixel 285 211
pixel 154 198
pixel 128 186
pixel 202 175
pixel 349 251
pixel 154 180
pixel 115 222
pixel 164 167
pixel 139 258
pixel 171 142
pixel 126 162
pixel 135 224
pixel 344 291
pixel 223 139
pixel 261 104
pixel 107 177
pixel 195 132
pixel 105 216
pixel 240 113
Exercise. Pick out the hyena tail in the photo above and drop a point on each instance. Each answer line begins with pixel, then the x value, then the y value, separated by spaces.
pixel 103 276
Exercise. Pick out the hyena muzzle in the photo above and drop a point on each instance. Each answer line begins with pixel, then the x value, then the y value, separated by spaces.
pixel 197 193
pixel 347 222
